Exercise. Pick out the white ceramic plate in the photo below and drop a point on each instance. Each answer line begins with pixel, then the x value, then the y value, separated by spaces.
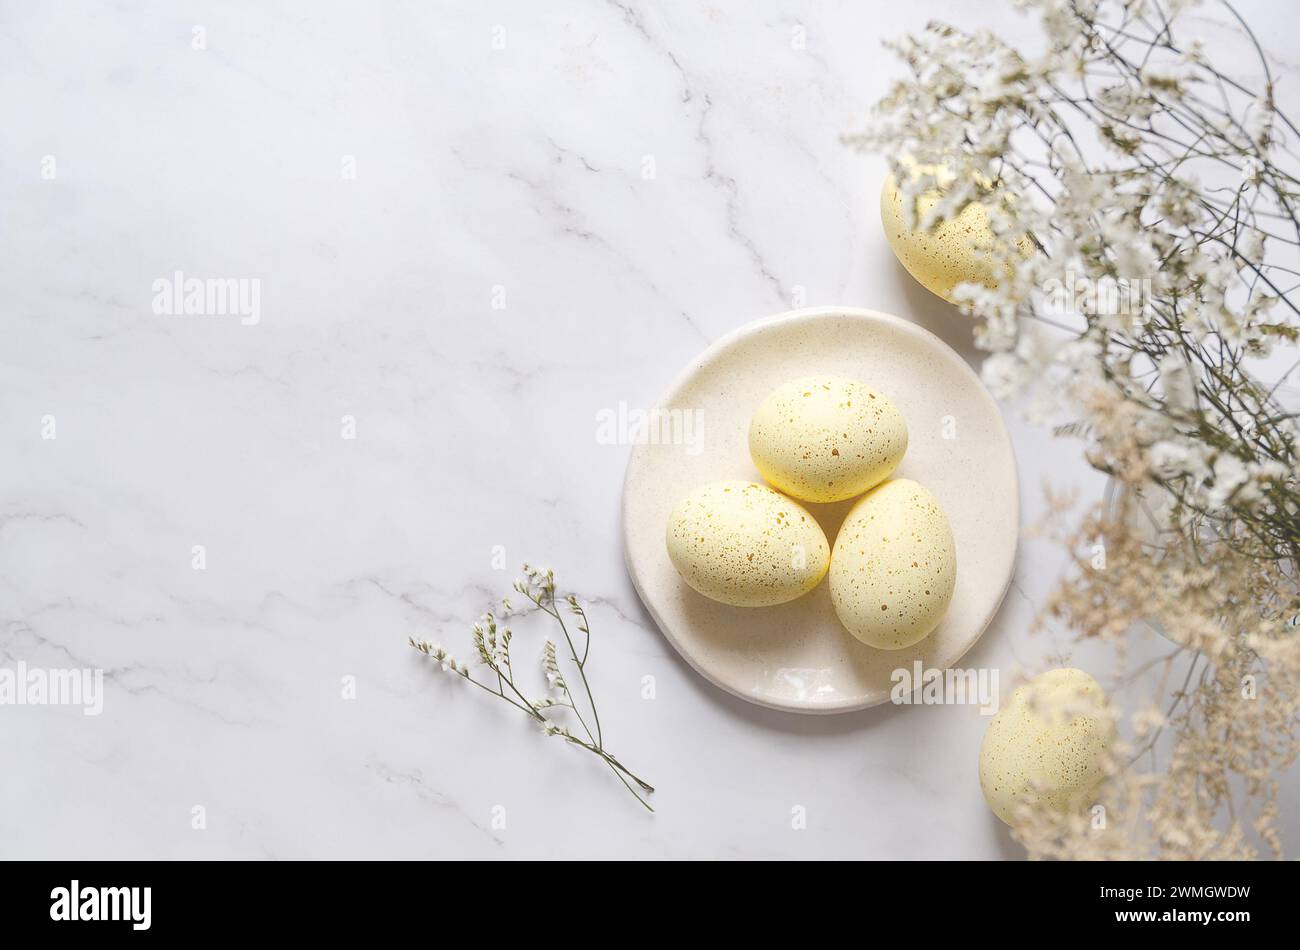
pixel 797 656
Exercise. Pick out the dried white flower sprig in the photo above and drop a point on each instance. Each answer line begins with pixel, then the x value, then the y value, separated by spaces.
pixel 492 646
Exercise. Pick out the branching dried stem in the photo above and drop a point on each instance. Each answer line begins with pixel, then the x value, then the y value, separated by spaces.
pixel 1123 153
pixel 492 647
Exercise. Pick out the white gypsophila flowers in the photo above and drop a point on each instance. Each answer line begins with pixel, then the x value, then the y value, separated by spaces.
pixel 1124 156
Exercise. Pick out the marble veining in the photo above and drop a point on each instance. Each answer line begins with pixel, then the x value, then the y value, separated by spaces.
pixel 474 227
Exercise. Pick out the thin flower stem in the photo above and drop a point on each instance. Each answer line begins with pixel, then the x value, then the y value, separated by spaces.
pixel 582 673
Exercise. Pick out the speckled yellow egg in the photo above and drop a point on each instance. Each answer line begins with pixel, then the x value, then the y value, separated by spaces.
pixel 826 438
pixel 746 545
pixel 894 566
pixel 1046 746
pixel 961 249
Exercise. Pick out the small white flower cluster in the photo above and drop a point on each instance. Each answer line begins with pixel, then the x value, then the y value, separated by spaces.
pixel 493 647
pixel 552 729
pixel 551 666
pixel 537 584
pixel 444 659
pixel 1221 479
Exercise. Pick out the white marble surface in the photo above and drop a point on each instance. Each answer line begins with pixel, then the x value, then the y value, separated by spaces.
pixel 476 168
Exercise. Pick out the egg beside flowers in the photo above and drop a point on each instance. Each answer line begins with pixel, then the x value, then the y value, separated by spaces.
pixel 826 438
pixel 1047 745
pixel 962 249
pixel 743 544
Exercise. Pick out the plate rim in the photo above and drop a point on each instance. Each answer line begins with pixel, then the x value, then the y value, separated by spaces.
pixel 811 314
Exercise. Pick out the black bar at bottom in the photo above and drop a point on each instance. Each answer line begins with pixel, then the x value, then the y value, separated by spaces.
pixel 136 900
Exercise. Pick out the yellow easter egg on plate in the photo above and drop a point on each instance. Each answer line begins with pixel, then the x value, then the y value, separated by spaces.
pixel 746 545
pixel 826 438
pixel 894 567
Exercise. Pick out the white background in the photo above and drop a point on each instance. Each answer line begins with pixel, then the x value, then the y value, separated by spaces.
pixel 475 168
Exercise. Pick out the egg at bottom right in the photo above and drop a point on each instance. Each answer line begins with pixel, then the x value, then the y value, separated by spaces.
pixel 1047 745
